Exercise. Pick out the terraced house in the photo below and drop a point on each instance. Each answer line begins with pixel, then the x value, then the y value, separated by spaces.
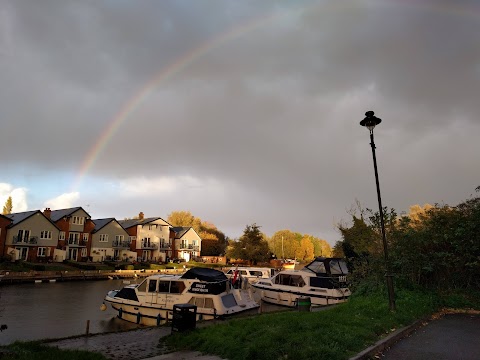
pixel 110 241
pixel 187 243
pixel 151 238
pixel 75 226
pixel 31 236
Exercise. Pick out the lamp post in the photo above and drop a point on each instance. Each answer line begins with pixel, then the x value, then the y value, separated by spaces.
pixel 370 122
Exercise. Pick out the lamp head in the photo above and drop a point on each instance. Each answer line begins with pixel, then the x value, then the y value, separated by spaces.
pixel 370 120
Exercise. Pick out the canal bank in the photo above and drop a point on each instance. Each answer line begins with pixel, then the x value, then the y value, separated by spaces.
pixel 11 277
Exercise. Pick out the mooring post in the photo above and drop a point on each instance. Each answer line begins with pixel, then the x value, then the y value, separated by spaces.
pixel 88 327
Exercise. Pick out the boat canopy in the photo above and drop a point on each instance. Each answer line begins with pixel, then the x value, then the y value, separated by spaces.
pixel 331 266
pixel 205 274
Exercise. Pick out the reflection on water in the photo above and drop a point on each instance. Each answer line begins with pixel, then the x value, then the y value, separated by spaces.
pixel 54 310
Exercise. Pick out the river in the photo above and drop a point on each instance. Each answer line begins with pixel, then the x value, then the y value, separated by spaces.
pixel 56 310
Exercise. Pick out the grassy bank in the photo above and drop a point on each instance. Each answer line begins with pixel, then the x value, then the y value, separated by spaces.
pixel 336 333
pixel 37 351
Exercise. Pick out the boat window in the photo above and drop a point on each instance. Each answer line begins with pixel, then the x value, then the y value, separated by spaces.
pixel 177 287
pixel 243 272
pixel 317 267
pixel 164 286
pixel 152 285
pixel 297 280
pixel 338 267
pixel 229 301
pixel 143 286
pixel 127 293
pixel 289 280
pixel 230 271
pixel 256 273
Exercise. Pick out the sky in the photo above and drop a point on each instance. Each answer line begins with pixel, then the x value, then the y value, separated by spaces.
pixel 240 112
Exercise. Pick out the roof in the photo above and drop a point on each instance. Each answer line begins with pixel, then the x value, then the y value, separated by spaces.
pixel 19 217
pixel 100 223
pixel 134 222
pixel 181 230
pixel 205 274
pixel 58 214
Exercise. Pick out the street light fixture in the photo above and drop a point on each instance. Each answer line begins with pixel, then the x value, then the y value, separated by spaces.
pixel 370 122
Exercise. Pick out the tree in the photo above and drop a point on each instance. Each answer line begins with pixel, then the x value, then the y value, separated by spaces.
pixel 8 207
pixel 251 246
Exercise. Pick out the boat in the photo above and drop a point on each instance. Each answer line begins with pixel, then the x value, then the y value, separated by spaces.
pixel 250 274
pixel 323 281
pixel 152 301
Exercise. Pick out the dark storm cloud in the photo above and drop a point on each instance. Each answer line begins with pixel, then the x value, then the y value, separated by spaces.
pixel 273 109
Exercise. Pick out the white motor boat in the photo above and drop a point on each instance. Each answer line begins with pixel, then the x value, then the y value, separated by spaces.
pixel 250 274
pixel 324 281
pixel 151 302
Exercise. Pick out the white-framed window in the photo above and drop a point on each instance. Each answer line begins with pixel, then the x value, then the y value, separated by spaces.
pixel 61 236
pixel 119 237
pixel 42 252
pixel 133 238
pixel 103 237
pixel 84 252
pixel 85 237
pixel 74 238
pixel 45 234
pixel 78 220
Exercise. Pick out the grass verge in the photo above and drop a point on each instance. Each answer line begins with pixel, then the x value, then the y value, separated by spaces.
pixel 36 351
pixel 336 333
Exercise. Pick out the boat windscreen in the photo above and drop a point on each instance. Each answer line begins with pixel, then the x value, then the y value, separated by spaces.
pixel 338 266
pixel 317 266
pixel 205 274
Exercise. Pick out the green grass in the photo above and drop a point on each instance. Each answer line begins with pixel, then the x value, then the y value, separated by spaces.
pixel 336 333
pixel 36 351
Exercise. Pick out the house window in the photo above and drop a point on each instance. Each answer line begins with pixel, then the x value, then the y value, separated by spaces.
pixel 85 237
pixel 73 238
pixel 42 252
pixel 133 238
pixel 61 236
pixel 84 252
pixel 103 237
pixel 78 220
pixel 119 237
pixel 45 234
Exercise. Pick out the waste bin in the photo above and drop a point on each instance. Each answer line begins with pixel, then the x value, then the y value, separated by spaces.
pixel 184 317
pixel 304 303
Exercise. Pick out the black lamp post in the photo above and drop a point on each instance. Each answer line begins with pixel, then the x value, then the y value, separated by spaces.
pixel 370 122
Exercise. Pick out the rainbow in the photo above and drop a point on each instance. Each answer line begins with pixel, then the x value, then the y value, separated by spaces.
pixel 164 74
pixel 191 56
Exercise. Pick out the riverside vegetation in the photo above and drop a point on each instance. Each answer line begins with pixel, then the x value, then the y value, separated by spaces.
pixel 435 256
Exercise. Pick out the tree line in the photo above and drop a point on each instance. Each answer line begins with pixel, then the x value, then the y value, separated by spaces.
pixel 434 246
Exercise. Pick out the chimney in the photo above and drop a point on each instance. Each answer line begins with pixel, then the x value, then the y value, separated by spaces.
pixel 47 212
pixel 141 215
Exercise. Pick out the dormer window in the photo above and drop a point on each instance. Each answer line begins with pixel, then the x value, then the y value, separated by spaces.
pixel 78 220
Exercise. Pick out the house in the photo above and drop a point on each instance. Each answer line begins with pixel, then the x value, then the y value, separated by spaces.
pixel 31 236
pixel 110 241
pixel 75 226
pixel 152 238
pixel 4 223
pixel 187 243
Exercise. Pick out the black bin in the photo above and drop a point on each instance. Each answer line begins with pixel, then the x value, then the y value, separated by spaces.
pixel 184 317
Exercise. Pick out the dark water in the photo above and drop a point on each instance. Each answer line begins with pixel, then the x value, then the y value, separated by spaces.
pixel 54 310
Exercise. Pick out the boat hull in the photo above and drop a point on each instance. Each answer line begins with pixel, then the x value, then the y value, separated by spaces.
pixel 289 297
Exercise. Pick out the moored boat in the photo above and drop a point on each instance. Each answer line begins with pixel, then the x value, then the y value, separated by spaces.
pixel 324 281
pixel 151 302
pixel 250 274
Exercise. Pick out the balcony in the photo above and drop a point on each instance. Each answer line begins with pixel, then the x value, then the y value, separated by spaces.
pixel 189 247
pixel 149 246
pixel 32 240
pixel 77 243
pixel 165 246
pixel 123 244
